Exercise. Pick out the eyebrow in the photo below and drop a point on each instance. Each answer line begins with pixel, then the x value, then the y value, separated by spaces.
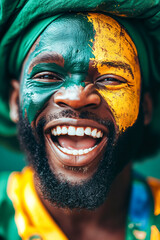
pixel 55 57
pixel 47 58
pixel 119 64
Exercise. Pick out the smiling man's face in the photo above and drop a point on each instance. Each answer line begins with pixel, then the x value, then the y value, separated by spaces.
pixel 80 92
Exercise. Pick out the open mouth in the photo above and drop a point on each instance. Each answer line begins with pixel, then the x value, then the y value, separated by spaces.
pixel 76 140
pixel 79 143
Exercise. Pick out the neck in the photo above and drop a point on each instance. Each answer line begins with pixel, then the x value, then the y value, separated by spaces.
pixel 111 216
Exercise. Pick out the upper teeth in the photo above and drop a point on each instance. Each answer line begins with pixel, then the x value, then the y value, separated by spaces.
pixel 76 131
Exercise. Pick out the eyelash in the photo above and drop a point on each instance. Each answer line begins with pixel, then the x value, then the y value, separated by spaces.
pixel 48 76
pixel 110 80
pixel 102 80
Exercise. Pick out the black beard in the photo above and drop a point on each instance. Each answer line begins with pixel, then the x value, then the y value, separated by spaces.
pixel 86 195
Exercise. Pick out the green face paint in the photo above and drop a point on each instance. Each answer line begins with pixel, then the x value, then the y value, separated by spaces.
pixel 64 49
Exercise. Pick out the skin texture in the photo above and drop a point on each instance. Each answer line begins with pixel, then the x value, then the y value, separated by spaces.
pixel 88 71
pixel 70 65
pixel 65 81
pixel 120 58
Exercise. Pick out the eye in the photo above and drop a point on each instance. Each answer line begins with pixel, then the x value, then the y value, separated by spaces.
pixel 48 77
pixel 110 80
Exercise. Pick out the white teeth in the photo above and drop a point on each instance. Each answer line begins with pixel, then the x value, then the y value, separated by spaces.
pixel 55 132
pixel 94 133
pixel 69 151
pixel 76 152
pixel 76 131
pixel 64 130
pixel 80 152
pixel 87 131
pixel 98 135
pixel 86 150
pixel 71 131
pixel 65 150
pixel 59 131
pixel 80 131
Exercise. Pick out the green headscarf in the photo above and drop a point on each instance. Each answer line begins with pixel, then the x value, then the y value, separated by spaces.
pixel 140 18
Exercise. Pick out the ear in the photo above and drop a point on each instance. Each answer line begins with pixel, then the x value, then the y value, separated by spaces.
pixel 147 108
pixel 14 100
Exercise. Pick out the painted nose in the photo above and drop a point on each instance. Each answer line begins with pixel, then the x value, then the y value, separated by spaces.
pixel 77 97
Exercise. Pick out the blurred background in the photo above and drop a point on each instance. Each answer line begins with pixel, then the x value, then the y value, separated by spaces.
pixel 11 161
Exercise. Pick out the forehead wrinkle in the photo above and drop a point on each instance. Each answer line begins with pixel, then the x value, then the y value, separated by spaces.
pixel 47 58
pixel 118 64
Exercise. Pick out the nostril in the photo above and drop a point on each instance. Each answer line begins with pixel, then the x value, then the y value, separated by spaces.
pixel 77 97
pixel 91 105
pixel 62 104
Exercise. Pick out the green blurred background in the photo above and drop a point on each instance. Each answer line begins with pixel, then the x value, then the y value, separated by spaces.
pixel 15 161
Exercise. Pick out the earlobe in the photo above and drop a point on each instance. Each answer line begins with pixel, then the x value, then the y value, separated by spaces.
pixel 14 100
pixel 147 108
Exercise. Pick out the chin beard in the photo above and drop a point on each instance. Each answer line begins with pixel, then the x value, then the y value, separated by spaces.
pixel 87 194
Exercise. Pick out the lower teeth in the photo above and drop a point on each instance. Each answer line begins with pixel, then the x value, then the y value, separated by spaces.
pixel 76 152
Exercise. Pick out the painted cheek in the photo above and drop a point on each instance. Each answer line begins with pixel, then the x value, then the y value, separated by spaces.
pixel 33 99
pixel 113 44
pixel 34 95
pixel 124 104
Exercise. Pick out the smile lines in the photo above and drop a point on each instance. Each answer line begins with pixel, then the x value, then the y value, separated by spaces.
pixel 76 131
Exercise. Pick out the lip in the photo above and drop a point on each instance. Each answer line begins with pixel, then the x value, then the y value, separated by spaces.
pixel 84 160
pixel 76 122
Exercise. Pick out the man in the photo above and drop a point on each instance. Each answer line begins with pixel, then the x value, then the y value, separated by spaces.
pixel 81 107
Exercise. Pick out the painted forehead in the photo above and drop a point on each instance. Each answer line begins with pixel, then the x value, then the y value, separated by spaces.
pixel 80 47
pixel 69 38
pixel 83 38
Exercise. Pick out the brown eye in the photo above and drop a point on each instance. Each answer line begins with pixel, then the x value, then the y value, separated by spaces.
pixel 47 77
pixel 110 80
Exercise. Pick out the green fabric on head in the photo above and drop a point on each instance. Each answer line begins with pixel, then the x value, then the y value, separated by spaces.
pixel 140 18
pixel 24 43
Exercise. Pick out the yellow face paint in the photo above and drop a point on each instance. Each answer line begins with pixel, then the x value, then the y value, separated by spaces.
pixel 116 55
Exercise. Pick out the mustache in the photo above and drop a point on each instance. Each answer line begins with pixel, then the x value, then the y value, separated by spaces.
pixel 71 114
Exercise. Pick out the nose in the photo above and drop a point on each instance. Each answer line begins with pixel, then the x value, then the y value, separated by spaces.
pixel 77 97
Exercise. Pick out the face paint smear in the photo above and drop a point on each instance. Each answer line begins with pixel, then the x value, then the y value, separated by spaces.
pixel 64 50
pixel 115 53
